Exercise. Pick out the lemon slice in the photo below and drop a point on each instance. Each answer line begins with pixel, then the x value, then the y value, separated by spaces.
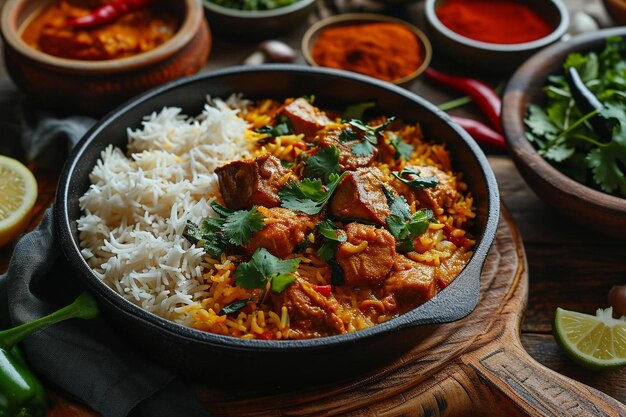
pixel 18 193
pixel 597 342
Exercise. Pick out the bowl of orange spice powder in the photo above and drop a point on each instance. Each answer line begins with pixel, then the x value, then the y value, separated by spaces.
pixel 495 35
pixel 88 56
pixel 379 46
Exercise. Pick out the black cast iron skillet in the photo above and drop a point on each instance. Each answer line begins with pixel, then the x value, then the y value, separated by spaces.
pixel 197 353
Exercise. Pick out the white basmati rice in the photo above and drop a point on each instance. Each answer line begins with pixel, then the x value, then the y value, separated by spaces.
pixel 137 206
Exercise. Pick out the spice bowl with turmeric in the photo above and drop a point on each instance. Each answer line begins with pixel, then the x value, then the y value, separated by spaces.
pixel 72 57
pixel 379 46
pixel 494 35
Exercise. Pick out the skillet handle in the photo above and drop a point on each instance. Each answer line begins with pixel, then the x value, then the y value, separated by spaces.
pixel 505 380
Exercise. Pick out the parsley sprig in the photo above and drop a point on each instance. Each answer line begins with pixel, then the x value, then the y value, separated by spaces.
pixel 404 226
pixel 309 195
pixel 230 228
pixel 561 131
pixel 367 145
pixel 264 267
pixel 415 180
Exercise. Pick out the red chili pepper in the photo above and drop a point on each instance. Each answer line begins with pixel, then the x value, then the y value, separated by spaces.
pixel 482 134
pixel 483 95
pixel 457 240
pixel 108 13
pixel 267 336
pixel 323 289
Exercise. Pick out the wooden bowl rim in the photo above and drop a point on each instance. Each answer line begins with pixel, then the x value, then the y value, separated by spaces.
pixel 554 36
pixel 10 33
pixel 517 97
pixel 356 18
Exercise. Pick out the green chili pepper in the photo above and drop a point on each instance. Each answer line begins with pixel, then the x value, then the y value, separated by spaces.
pixel 21 394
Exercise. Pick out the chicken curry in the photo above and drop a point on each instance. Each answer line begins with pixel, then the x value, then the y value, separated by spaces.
pixel 133 33
pixel 334 225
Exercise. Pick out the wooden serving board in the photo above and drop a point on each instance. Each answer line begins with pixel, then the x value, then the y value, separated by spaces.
pixel 473 367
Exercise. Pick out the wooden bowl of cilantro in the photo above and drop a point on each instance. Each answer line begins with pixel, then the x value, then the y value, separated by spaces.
pixel 564 118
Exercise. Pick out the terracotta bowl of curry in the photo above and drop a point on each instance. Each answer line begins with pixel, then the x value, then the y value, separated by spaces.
pixel 322 357
pixel 491 35
pixel 90 71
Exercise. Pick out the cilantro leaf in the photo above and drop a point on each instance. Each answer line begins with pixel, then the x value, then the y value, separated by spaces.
pixel 397 205
pixel 331 235
pixel 323 163
pixel 331 232
pixel 232 227
pixel 282 127
pixel 309 196
pixel 240 225
pixel 370 136
pixel 348 135
pixel 264 267
pixel 406 230
pixel 403 149
pixel 235 306
pixel 538 121
pixel 415 181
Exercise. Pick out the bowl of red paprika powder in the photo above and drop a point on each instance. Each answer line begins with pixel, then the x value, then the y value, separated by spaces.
pixel 496 35
pixel 382 47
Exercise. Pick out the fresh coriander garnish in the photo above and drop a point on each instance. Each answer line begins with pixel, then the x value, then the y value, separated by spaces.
pixel 404 226
pixel 264 267
pixel 323 164
pixel 416 181
pixel 332 235
pixel 235 306
pixel 561 130
pixel 232 227
pixel 403 149
pixel 308 195
pixel 282 127
pixel 370 136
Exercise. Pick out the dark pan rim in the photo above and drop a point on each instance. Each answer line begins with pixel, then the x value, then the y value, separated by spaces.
pixel 433 308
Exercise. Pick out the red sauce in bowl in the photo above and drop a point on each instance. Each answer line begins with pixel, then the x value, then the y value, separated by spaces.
pixel 494 21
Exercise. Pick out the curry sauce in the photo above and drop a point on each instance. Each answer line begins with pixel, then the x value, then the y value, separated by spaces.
pixel 134 33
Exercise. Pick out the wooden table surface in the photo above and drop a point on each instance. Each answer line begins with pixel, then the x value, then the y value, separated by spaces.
pixel 569 267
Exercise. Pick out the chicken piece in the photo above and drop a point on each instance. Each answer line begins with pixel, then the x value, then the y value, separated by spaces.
pixel 311 314
pixel 451 267
pixel 367 256
pixel 360 196
pixel 347 159
pixel 438 197
pixel 282 232
pixel 305 118
pixel 411 282
pixel 252 182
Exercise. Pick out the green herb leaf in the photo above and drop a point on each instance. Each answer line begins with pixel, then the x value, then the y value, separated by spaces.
pixel 370 136
pixel 309 196
pixel 232 227
pixel 331 236
pixel 264 267
pixel 282 127
pixel 235 306
pixel 348 135
pixel 323 163
pixel 397 205
pixel 416 181
pixel 240 225
pixel 403 149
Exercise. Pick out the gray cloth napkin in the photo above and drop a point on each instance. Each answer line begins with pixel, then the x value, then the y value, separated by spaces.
pixel 87 359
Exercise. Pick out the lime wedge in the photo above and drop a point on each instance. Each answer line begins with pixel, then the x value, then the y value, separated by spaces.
pixel 597 342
